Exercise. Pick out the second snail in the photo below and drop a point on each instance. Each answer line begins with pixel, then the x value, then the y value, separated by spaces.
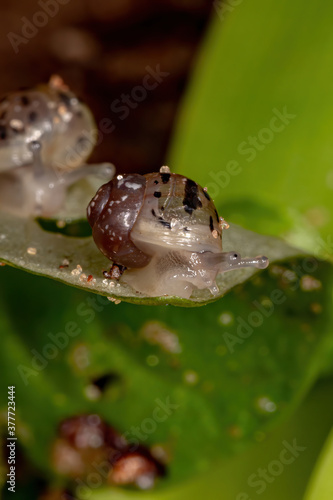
pixel 46 135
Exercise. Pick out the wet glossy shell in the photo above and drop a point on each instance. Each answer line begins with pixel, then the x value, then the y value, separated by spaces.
pixel 52 116
pixel 136 217
pixel 177 214
pixel 112 214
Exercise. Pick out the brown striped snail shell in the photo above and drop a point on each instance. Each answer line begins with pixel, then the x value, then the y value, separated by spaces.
pixel 166 230
pixel 46 135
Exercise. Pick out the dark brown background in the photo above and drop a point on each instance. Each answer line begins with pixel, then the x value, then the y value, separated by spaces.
pixel 101 48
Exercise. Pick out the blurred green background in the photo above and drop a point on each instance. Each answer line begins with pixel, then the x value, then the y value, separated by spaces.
pixel 245 111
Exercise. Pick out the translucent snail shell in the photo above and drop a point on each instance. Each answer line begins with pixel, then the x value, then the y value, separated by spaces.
pixel 46 135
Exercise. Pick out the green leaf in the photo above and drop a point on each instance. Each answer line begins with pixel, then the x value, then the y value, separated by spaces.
pixel 264 60
pixel 321 482
pixel 229 478
pixel 18 237
pixel 232 370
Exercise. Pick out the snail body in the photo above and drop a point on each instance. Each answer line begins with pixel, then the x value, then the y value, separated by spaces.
pixel 164 228
pixel 46 135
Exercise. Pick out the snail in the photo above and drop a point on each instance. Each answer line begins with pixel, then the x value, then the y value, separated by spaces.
pixel 46 135
pixel 164 229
